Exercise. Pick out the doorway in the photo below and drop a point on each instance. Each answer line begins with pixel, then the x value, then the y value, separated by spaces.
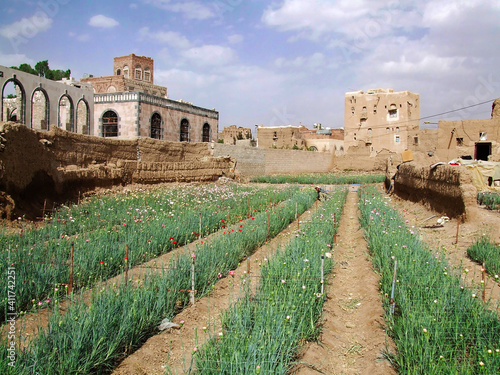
pixel 482 151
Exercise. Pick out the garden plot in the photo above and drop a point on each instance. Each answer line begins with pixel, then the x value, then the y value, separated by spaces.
pixel 132 313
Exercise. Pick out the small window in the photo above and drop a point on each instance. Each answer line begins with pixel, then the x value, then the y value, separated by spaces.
pixel 118 72
pixel 397 139
pixel 483 136
pixel 415 140
pixel 397 129
pixel 460 142
pixel 138 74
pixel 369 131
pixel 147 76
pixel 364 108
pixel 388 130
pixel 125 71
pixel 393 113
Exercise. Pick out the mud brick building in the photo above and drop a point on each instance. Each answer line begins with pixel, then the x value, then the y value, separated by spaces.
pixel 380 119
pixel 128 104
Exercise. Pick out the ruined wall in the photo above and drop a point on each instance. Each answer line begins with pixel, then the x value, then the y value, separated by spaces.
pixel 253 161
pixel 446 189
pixel 57 165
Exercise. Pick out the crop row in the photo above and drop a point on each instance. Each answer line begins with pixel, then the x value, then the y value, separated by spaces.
pixel 261 332
pixel 439 325
pixel 485 252
pixel 321 179
pixel 91 339
pixel 151 223
pixel 489 199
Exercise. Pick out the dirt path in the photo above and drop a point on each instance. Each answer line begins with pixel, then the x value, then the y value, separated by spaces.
pixel 353 336
pixel 172 349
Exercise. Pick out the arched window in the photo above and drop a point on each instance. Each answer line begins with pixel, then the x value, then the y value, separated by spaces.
pixel 118 72
pixel 66 120
pixel 205 136
pixel 39 109
pixel 82 117
pixel 110 124
pixel 184 131
pixel 138 73
pixel 125 71
pixel 147 75
pixel 156 132
pixel 14 101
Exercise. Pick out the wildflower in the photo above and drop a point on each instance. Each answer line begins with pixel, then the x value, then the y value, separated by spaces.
pixel 204 329
pixel 481 363
pixel 425 330
pixel 124 224
pixel 193 255
pixel 102 262
pixel 257 370
pixel 231 273
pixel 221 334
pixel 303 287
pixel 283 281
pixel 195 349
pixel 181 323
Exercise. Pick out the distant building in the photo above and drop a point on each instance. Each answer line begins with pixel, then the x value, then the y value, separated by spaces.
pixel 380 119
pixel 233 133
pixel 128 104
pixel 301 138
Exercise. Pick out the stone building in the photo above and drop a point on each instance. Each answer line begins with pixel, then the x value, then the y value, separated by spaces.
pixel 300 137
pixel 231 134
pixel 38 102
pixel 380 119
pixel 128 104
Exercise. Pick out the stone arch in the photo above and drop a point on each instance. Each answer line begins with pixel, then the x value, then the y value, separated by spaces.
pixel 206 132
pixel 109 120
pixel 65 114
pixel 40 109
pixel 18 104
pixel 111 89
pixel 156 130
pixel 83 117
pixel 184 129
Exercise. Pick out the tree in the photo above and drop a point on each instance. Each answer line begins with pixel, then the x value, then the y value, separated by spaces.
pixel 42 69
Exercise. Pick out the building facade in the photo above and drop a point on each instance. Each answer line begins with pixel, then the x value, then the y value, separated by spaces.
pixel 380 119
pixel 231 134
pixel 128 104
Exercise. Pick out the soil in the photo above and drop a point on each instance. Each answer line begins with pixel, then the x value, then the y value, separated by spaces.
pixel 353 339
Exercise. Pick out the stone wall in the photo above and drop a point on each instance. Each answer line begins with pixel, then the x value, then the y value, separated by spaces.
pixel 446 189
pixel 253 161
pixel 56 165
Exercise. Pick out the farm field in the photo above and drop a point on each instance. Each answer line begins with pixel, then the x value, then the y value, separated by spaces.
pixel 351 336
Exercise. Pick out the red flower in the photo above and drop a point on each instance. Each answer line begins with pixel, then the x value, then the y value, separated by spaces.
pixel 149 240
pixel 171 238
pixel 223 221
pixel 102 262
pixel 174 242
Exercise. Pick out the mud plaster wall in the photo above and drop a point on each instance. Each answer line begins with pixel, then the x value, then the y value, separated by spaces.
pixel 58 165
pixel 445 189
pixel 256 161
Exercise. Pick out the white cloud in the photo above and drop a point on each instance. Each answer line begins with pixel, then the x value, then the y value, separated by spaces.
pixel 189 9
pixel 235 38
pixel 316 60
pixel 15 59
pixel 213 55
pixel 103 22
pixel 27 27
pixel 171 38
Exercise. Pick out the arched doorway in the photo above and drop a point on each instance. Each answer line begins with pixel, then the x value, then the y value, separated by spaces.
pixel 205 134
pixel 156 132
pixel 66 120
pixel 82 117
pixel 39 109
pixel 184 131
pixel 13 101
pixel 110 124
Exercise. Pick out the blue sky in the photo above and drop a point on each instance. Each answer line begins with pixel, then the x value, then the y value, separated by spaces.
pixel 274 62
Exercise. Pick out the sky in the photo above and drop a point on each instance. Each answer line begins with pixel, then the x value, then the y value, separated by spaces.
pixel 275 62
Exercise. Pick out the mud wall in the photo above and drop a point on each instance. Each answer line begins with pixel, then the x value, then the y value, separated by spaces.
pixel 36 166
pixel 257 161
pixel 446 189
